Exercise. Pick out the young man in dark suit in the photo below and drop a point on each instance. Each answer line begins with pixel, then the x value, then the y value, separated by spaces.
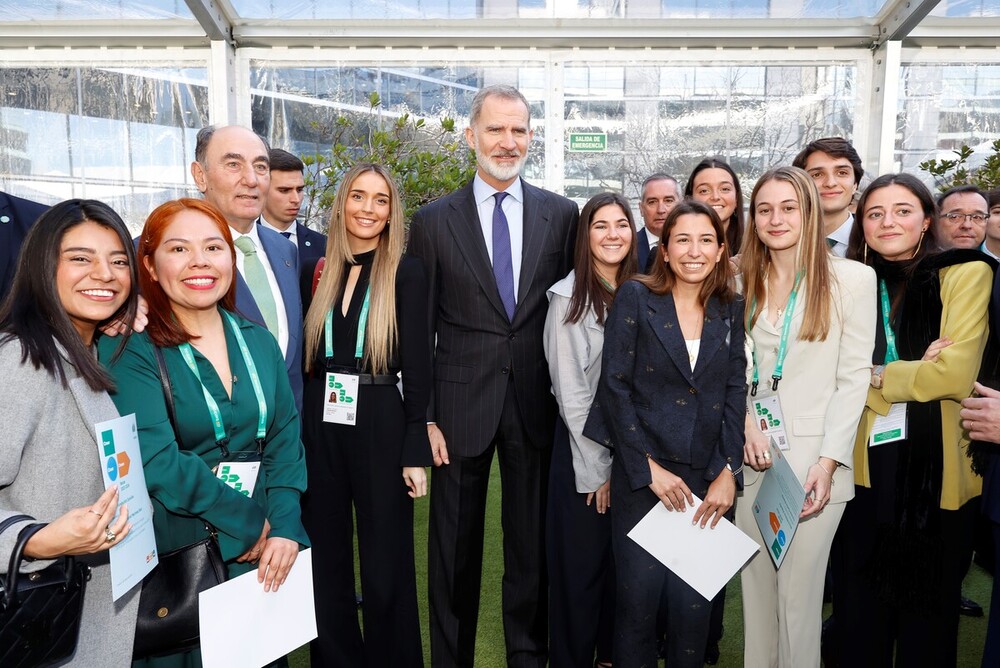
pixel 281 207
pixel 232 171
pixel 17 215
pixel 491 250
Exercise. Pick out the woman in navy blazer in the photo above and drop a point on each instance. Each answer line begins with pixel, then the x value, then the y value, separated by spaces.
pixel 670 403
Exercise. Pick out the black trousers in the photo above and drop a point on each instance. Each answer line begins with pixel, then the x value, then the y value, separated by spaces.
pixel 455 549
pixel 356 470
pixel 869 630
pixel 641 578
pixel 580 566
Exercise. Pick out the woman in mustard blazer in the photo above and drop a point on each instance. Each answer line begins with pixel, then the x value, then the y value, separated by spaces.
pixel 906 539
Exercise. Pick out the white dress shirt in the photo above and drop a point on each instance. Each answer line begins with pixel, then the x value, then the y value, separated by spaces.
pixel 513 208
pixel 292 231
pixel 841 236
pixel 279 303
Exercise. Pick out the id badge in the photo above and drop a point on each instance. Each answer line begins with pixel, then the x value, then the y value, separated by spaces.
pixel 239 471
pixel 340 398
pixel 766 412
pixel 889 428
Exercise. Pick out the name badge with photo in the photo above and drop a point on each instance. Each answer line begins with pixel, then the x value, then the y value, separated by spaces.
pixel 340 399
pixel 766 412
pixel 889 428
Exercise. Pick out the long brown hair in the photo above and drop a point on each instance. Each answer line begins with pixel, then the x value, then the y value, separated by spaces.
pixel 661 279
pixel 164 329
pixel 588 290
pixel 382 335
pixel 734 231
pixel 812 256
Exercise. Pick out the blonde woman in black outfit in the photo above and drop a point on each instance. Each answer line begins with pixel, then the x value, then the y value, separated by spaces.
pixel 365 453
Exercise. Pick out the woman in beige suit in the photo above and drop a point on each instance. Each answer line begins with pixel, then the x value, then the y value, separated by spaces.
pixel 811 328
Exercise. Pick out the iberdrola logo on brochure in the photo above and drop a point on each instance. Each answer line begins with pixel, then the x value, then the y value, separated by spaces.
pixel 117 464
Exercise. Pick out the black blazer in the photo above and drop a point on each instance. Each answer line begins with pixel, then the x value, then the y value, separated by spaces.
pixel 312 244
pixel 17 215
pixel 650 403
pixel 478 349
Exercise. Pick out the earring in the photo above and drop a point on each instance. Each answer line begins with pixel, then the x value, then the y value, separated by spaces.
pixel 865 260
pixel 919 241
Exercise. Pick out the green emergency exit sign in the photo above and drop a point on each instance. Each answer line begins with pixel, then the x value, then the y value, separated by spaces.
pixel 594 142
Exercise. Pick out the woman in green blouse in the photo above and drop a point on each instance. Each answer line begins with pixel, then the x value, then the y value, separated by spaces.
pixel 232 399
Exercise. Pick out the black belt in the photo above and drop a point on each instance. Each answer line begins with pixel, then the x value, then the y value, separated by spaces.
pixel 381 379
pixel 365 378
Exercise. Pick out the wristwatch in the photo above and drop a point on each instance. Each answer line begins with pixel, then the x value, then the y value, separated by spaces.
pixel 877 372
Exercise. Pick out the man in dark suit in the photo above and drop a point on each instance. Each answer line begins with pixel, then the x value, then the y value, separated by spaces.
pixel 491 250
pixel 281 207
pixel 660 194
pixel 16 216
pixel 231 169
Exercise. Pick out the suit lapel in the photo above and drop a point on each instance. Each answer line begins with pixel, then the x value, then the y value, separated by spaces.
pixel 713 332
pixel 535 226
pixel 662 316
pixel 467 232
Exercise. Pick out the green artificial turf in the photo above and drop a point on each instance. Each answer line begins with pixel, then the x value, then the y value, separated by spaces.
pixel 490 643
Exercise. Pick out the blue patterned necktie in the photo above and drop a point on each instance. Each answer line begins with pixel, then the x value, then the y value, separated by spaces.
pixel 503 263
pixel 287 235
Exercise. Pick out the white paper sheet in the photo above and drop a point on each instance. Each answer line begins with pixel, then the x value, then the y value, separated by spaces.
pixel 706 558
pixel 135 556
pixel 244 626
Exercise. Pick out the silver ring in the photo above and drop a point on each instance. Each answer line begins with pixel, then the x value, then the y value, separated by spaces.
pixel 91 510
pixel 767 456
pixel 110 535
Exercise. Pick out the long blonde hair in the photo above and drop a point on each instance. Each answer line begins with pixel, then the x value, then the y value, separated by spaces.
pixel 812 257
pixel 382 335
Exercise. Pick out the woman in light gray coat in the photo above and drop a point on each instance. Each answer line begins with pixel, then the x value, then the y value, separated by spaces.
pixel 75 274
pixel 578 528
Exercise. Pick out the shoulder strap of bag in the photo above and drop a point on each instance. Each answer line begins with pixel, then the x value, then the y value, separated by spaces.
pixel 13 519
pixel 16 555
pixel 318 272
pixel 168 394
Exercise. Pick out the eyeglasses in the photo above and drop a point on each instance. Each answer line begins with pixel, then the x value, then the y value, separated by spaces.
pixel 977 218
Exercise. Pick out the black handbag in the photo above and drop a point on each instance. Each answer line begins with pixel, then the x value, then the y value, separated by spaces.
pixel 40 612
pixel 168 605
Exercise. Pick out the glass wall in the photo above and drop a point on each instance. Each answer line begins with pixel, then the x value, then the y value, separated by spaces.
pixel 943 106
pixel 122 135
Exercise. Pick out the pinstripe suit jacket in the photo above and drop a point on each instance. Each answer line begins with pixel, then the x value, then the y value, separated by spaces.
pixel 477 349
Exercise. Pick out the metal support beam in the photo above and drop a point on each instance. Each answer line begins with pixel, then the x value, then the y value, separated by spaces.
pixel 898 18
pixel 886 61
pixel 223 102
pixel 214 19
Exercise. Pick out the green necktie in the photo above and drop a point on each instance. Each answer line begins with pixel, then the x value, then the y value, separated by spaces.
pixel 256 278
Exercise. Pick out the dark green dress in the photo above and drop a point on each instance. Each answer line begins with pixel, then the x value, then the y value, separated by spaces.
pixel 184 491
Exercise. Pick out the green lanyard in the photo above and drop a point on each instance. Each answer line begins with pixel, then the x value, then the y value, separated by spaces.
pixel 359 346
pixel 891 354
pixel 221 439
pixel 786 329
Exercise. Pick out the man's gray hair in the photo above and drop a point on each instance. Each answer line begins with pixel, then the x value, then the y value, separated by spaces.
pixel 205 136
pixel 499 90
pixel 659 176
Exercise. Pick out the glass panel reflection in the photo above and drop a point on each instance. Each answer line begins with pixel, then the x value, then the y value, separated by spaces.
pixel 661 118
pixel 942 107
pixel 124 136
pixel 89 10
pixel 592 9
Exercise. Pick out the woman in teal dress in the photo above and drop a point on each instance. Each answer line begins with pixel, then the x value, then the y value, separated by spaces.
pixel 222 369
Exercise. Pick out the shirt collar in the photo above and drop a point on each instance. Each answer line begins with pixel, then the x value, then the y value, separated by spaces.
pixel 254 236
pixel 482 191
pixel 842 235
pixel 266 223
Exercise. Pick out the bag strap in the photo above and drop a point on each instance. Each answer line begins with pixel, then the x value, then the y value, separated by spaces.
pixel 318 272
pixel 168 394
pixel 10 584
pixel 13 519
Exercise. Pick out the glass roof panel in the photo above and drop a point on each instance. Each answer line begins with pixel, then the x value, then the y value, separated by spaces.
pixel 967 8
pixel 499 9
pixel 100 10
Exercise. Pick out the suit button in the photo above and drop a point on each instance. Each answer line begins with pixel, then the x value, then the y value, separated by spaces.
pixel 692 390
pixel 511 336
pixel 505 370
